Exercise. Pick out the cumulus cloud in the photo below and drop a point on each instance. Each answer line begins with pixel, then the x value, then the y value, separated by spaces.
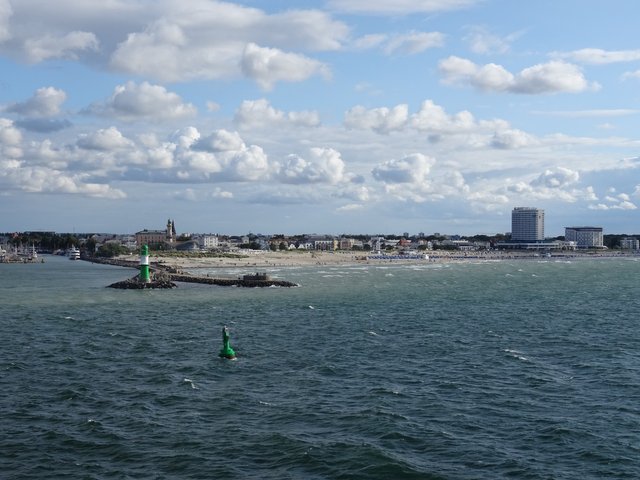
pixel 266 66
pixel 47 180
pixel 147 102
pixel 108 139
pixel 381 120
pixel 413 168
pixel 66 46
pixel 430 118
pixel 45 102
pixel 598 56
pixel 323 165
pixel 255 114
pixel 551 77
pixel 9 135
pixel 559 177
pixel 511 139
pixel 224 155
pixel 415 178
pixel 433 118
pixel 178 45
pixel 398 7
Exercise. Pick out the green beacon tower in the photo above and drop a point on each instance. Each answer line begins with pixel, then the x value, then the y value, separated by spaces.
pixel 144 264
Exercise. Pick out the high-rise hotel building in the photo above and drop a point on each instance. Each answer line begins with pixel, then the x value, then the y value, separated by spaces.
pixel 527 224
pixel 584 237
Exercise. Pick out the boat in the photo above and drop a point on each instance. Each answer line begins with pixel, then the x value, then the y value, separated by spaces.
pixel 73 253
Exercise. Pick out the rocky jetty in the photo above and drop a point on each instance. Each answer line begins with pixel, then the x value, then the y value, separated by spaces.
pixel 230 282
pixel 134 283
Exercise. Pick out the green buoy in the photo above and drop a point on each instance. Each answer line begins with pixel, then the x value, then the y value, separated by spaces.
pixel 227 351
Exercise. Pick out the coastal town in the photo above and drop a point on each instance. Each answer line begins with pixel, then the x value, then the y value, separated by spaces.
pixel 526 238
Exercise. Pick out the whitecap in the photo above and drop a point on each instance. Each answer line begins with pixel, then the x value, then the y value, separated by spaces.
pixel 372 333
pixel 189 381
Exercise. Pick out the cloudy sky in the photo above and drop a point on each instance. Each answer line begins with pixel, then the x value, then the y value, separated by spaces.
pixel 318 116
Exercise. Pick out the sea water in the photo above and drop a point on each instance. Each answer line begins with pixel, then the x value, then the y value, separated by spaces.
pixel 511 369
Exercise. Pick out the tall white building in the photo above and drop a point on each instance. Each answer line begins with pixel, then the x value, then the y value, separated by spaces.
pixel 585 237
pixel 527 224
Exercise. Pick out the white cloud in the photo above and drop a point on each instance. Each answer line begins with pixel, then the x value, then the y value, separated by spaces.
pixel 43 179
pixel 434 119
pixel 220 41
pixel 266 66
pixel 256 114
pixel 369 41
pixel 597 56
pixel 398 7
pixel 350 207
pixel 631 75
pixel 381 120
pixel 414 42
pixel 430 118
pixel 143 102
pixel 412 169
pixel 45 102
pixel 551 77
pixel 483 42
pixel 65 46
pixel 225 155
pixel 324 165
pixel 9 135
pixel 559 177
pixel 107 140
pixel 219 193
pixel 511 139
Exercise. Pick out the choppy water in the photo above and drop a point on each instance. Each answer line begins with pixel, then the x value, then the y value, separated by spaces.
pixel 468 371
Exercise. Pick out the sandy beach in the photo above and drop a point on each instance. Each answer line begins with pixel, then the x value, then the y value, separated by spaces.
pixel 257 260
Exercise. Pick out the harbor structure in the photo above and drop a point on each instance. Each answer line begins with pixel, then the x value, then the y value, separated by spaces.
pixel 144 265
pixel 527 224
pixel 585 237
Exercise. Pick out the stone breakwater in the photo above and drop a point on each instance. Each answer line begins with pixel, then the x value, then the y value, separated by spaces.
pixel 164 277
pixel 136 284
pixel 230 282
pixel 166 280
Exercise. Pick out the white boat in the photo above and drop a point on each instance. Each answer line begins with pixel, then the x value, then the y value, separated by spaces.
pixel 73 253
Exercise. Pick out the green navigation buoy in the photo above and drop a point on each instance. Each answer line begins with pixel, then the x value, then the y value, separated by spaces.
pixel 144 264
pixel 227 351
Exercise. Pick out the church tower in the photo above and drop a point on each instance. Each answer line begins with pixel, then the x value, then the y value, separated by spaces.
pixel 171 231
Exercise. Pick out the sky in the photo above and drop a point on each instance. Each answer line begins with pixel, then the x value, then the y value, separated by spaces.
pixel 319 116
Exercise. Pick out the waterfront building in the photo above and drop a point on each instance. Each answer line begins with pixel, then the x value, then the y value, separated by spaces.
pixel 157 237
pixel 210 242
pixel 630 243
pixel 585 237
pixel 527 224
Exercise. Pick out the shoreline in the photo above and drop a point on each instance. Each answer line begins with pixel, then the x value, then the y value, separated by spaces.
pixel 257 260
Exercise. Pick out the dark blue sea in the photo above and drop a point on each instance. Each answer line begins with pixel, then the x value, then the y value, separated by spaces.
pixel 514 369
